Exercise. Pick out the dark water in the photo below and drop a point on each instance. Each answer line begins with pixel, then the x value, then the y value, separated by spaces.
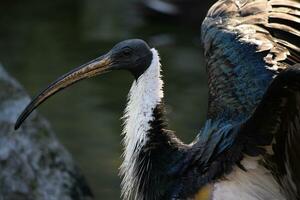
pixel 40 40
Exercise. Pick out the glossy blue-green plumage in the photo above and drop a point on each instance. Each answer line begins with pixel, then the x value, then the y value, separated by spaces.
pixel 238 54
pixel 244 55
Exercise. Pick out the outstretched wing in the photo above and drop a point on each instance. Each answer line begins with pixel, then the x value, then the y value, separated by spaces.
pixel 247 42
pixel 276 121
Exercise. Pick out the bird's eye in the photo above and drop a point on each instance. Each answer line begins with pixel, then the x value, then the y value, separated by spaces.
pixel 127 52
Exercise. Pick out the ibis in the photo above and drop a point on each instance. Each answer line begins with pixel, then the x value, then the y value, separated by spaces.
pixel 248 148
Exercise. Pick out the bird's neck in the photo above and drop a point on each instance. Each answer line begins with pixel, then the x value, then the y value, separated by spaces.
pixel 145 140
pixel 145 94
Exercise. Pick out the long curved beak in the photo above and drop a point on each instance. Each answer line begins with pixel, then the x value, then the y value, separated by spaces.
pixel 95 67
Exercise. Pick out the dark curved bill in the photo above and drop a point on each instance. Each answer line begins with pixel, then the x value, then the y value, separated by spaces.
pixel 95 67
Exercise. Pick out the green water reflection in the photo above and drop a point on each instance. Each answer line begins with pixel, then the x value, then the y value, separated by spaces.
pixel 40 40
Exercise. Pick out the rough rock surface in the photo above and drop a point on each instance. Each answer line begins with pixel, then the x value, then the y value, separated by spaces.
pixel 33 164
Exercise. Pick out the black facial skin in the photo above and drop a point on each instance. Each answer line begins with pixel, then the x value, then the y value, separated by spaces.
pixel 133 55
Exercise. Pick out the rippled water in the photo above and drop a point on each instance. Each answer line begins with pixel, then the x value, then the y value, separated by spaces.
pixel 39 41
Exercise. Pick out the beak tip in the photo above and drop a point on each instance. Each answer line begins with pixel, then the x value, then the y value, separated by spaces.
pixel 17 125
pixel 19 122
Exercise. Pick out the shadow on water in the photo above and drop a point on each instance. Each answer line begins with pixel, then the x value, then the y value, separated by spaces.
pixel 41 40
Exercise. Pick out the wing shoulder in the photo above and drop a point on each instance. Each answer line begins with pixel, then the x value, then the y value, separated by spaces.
pixel 246 43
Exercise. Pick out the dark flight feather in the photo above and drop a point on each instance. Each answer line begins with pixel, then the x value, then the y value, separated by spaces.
pixel 278 117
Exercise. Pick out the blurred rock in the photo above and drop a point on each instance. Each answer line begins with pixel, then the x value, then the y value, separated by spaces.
pixel 33 164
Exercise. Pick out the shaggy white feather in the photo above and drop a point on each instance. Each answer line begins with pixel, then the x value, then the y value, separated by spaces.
pixel 144 95
pixel 257 183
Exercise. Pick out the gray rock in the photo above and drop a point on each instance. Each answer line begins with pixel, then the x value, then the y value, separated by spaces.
pixel 33 164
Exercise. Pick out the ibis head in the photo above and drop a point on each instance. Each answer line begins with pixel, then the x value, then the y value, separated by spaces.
pixel 132 55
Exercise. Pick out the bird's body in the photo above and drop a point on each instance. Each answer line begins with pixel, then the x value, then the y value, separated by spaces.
pixel 248 147
pixel 147 143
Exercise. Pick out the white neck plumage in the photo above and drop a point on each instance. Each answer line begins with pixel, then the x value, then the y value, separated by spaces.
pixel 145 94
